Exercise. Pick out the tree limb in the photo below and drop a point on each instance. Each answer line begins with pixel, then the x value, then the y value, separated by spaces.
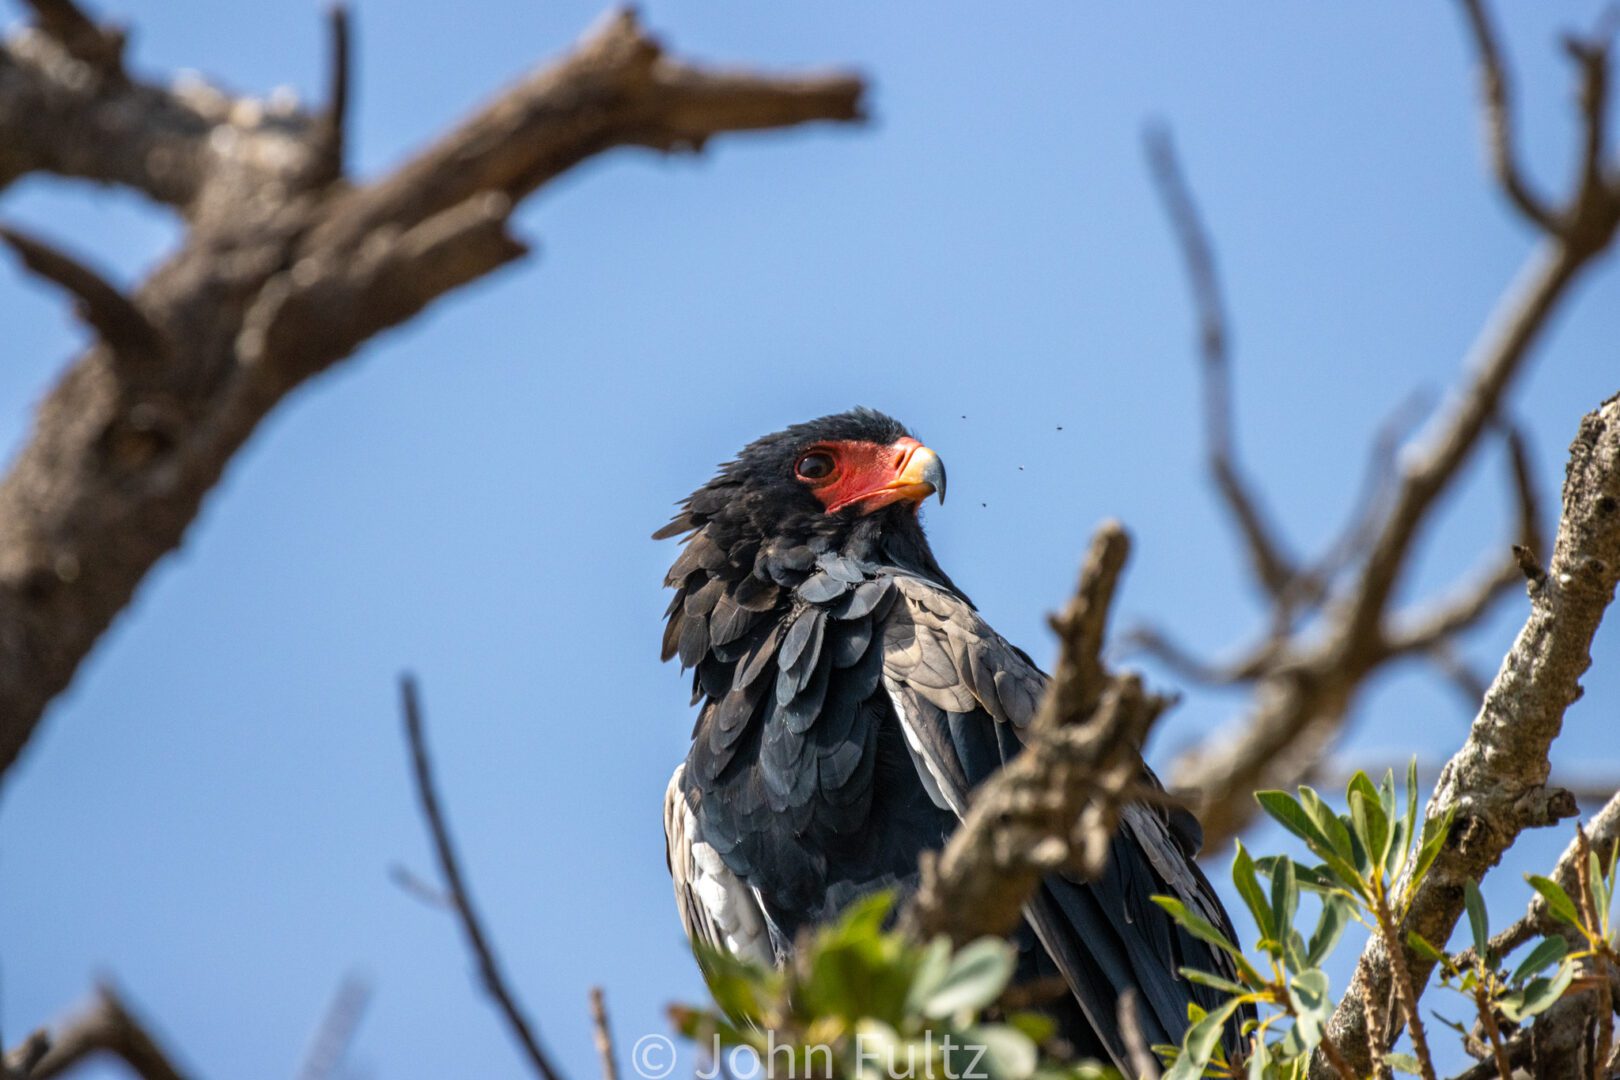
pixel 284 271
pixel 1306 681
pixel 1056 805
pixel 105 1026
pixel 1497 780
pixel 111 314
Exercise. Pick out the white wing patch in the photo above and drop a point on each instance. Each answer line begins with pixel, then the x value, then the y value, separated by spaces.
pixel 716 906
pixel 939 786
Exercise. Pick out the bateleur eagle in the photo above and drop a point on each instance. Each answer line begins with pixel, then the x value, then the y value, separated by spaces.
pixel 850 698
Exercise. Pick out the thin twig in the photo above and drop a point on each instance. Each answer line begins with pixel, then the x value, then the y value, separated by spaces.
pixel 1405 993
pixel 1273 570
pixel 1499 119
pixel 335 118
pixel 336 1030
pixel 603 1033
pixel 1144 1065
pixel 112 315
pixel 1493 1031
pixel 101 47
pixel 107 1026
pixel 1596 966
pixel 450 866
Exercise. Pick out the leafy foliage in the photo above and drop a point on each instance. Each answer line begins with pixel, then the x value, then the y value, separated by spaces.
pixel 864 1001
pixel 1371 860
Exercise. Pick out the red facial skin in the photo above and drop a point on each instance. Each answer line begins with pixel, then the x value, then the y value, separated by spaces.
pixel 866 475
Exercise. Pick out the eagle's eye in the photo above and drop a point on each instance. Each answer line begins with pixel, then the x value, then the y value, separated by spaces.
pixel 815 465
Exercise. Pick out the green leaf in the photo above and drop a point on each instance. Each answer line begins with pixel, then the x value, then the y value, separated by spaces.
pixel 1292 816
pixel 1199 1044
pixel 1474 903
pixel 979 972
pixel 1558 901
pixel 737 986
pixel 1284 896
pixel 1037 1027
pixel 1329 928
pixel 1420 945
pixel 1259 1061
pixel 1248 887
pixel 1600 890
pixel 1195 924
pixel 1411 812
pixel 1399 842
pixel 933 961
pixel 1404 1063
pixel 879 1049
pixel 1308 994
pixel 1370 821
pixel 1346 857
pixel 1317 879
pixel 864 918
pixel 1538 995
pixel 1214 982
pixel 1550 950
pixel 1435 831
pixel 1008 1053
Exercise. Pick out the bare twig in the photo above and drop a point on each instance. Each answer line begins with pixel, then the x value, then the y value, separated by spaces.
pixel 1499 119
pixel 413 886
pixel 1144 1066
pixel 1273 570
pixel 603 1034
pixel 101 47
pixel 1497 781
pixel 1596 966
pixel 1486 1008
pixel 105 1026
pixel 489 970
pixel 1406 998
pixel 335 119
pixel 336 1031
pixel 20 1061
pixel 111 314
pixel 1080 764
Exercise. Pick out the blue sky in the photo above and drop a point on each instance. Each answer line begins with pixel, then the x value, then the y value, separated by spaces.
pixel 210 813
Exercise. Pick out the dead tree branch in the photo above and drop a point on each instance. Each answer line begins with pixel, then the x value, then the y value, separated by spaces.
pixel 1333 620
pixel 1273 569
pixel 1056 805
pixel 1602 831
pixel 105 1026
pixel 455 883
pixel 1497 781
pixel 286 268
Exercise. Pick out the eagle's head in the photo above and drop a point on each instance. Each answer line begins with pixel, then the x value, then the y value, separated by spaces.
pixel 820 479
pixel 848 484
